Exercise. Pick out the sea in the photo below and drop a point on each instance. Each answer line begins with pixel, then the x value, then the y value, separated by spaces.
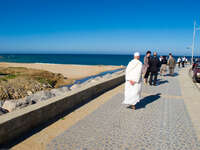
pixel 79 59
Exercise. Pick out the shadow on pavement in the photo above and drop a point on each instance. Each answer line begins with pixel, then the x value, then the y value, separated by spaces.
pixel 147 100
pixel 174 75
pixel 162 82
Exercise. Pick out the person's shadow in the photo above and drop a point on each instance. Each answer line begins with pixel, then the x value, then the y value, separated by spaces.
pixel 147 100
pixel 162 82
pixel 174 75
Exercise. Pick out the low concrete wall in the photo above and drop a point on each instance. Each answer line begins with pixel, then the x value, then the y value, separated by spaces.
pixel 16 123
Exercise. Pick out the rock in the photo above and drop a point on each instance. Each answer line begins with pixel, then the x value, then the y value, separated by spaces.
pixel 29 92
pixel 40 96
pixel 9 105
pixel 119 72
pixel 3 111
pixel 107 76
pixel 48 94
pixel 87 81
pixel 75 86
pixel 98 78
pixel 56 92
pixel 64 89
pixel 23 102
pixel 1 103
pixel 94 81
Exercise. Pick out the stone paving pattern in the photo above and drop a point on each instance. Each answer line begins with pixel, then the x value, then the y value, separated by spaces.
pixel 158 123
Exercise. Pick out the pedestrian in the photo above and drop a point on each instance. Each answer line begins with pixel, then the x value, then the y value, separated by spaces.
pixel 133 84
pixel 183 62
pixel 163 68
pixel 186 60
pixel 154 65
pixel 161 57
pixel 145 68
pixel 171 63
pixel 179 62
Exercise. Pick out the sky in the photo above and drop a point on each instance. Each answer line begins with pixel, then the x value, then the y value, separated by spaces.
pixel 98 26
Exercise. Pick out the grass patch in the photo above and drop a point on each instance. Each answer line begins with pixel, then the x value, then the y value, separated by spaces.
pixel 45 81
pixel 41 80
pixel 18 68
pixel 3 79
pixel 7 77
pixel 10 76
pixel 62 118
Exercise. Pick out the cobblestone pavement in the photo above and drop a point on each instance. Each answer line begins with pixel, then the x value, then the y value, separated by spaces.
pixel 158 123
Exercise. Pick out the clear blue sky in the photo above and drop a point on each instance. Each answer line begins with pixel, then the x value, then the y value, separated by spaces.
pixel 97 26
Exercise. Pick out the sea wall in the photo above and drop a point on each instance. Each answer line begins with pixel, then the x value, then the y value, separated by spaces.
pixel 16 123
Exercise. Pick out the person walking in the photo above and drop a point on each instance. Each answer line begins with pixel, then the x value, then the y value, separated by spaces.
pixel 179 62
pixel 163 67
pixel 171 63
pixel 154 65
pixel 183 62
pixel 133 84
pixel 145 68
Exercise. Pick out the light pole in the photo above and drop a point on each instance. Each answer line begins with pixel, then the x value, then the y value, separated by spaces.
pixel 193 41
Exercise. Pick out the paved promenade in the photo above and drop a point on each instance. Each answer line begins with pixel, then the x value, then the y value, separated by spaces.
pixel 163 120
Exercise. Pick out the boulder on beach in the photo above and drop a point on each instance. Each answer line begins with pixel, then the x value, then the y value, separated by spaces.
pixel 56 92
pixel 75 86
pixel 63 89
pixel 23 102
pixel 107 76
pixel 9 105
pixel 40 96
pixel 97 78
pixel 3 111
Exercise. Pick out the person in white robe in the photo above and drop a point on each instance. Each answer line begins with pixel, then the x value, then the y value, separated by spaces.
pixel 133 84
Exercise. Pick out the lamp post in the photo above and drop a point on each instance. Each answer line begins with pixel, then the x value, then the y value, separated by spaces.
pixel 193 41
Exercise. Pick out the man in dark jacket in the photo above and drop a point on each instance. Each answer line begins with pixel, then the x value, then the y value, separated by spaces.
pixel 154 65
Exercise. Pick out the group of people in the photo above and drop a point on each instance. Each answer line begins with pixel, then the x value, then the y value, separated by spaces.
pixel 152 65
pixel 182 61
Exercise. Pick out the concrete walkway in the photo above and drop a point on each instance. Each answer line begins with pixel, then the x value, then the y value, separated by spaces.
pixel 167 118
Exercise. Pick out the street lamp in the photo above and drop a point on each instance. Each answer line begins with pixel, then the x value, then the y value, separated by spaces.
pixel 193 41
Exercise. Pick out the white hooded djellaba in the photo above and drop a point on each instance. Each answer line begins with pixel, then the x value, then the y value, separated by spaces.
pixel 134 73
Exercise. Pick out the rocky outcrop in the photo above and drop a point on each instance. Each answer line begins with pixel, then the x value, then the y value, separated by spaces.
pixel 19 82
pixel 12 105
pixel 38 96
pixel 19 88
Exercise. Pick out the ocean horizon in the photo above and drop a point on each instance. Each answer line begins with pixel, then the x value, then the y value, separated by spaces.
pixel 76 59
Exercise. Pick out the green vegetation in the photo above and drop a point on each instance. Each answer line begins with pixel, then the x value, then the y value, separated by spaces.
pixel 7 77
pixel 45 81
pixel 10 76
pixel 15 82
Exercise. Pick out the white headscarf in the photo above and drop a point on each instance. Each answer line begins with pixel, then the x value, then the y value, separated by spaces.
pixel 136 54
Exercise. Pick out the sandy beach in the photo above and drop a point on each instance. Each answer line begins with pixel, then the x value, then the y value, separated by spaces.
pixel 68 70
